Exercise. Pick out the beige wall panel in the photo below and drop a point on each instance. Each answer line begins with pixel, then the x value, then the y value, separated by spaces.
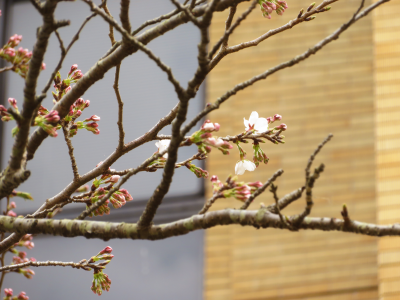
pixel 387 103
pixel 333 91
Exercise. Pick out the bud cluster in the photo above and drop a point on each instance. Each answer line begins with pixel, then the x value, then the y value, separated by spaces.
pixel 199 172
pixel 205 140
pixel 19 58
pixel 75 111
pixel 63 86
pixel 9 295
pixel 232 188
pixel 6 116
pixel 268 6
pixel 26 241
pixel 48 121
pixel 101 282
pixel 259 155
pixel 117 199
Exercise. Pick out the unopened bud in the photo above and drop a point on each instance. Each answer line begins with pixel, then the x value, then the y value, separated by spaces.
pixel 13 102
pixel 73 68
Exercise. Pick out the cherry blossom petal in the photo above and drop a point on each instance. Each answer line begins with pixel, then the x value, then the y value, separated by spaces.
pixel 244 165
pixel 163 145
pixel 261 125
pixel 253 118
pixel 246 124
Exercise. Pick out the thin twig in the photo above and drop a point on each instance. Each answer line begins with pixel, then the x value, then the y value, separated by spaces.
pixel 163 17
pixel 255 42
pixel 298 219
pixel 273 190
pixel 223 41
pixel 80 265
pixel 188 13
pixel 6 69
pixel 121 138
pixel 134 41
pixel 286 200
pixel 124 15
pixel 111 28
pixel 316 151
pixel 70 152
pixel 261 189
pixel 197 156
pixel 131 172
pixel 120 123
pixel 59 65
pixel 209 203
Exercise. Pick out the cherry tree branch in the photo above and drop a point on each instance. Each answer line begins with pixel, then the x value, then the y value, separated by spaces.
pixel 300 19
pixel 79 265
pixel 114 56
pixel 70 152
pixel 131 172
pixel 163 188
pixel 260 218
pixel 261 189
pixel 124 15
pixel 313 50
pixel 161 18
pixel 15 173
pixel 223 41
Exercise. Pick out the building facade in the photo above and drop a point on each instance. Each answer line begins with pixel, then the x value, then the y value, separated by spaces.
pixel 351 88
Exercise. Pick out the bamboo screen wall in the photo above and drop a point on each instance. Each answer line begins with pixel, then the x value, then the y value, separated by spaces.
pixel 333 91
pixel 387 103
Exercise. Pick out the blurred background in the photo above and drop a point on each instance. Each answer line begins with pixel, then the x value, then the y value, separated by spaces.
pixel 350 88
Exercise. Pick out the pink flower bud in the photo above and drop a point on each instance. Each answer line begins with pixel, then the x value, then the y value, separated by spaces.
pixel 43 66
pixel 22 254
pixel 216 126
pixel 214 178
pixel 126 194
pixel 113 179
pixel 12 205
pixel 78 113
pixel 23 296
pixel 77 75
pixel 87 103
pixel 73 68
pixel 22 51
pixel 29 245
pixel 14 40
pixel 93 125
pixel 13 102
pixel 79 102
pixel 10 213
pixel 52 117
pixel 277 118
pixel 107 249
pixel 2 108
pixel 8 292
pixel 206 135
pixel 67 89
pixel 28 54
pixel 93 118
pixel 10 52
pixel 256 184
pixel 282 127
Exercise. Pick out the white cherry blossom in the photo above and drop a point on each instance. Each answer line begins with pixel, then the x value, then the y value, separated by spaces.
pixel 260 125
pixel 163 145
pixel 244 165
